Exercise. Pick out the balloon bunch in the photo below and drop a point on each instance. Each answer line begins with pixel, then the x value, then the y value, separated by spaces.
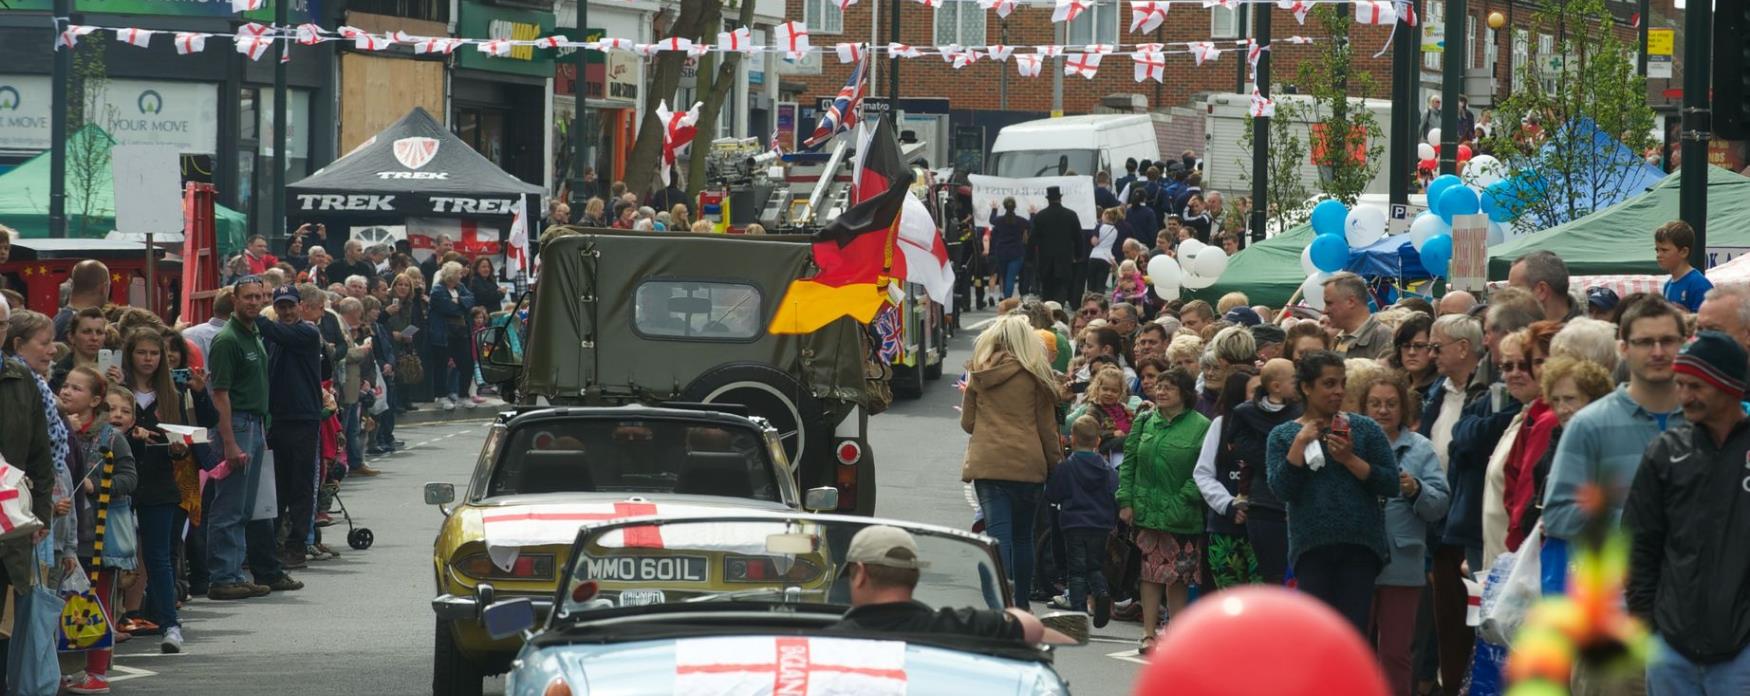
pixel 1427 152
pixel 1340 229
pixel 1194 266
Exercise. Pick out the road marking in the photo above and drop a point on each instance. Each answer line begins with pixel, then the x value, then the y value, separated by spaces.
pixel 128 673
pixel 1128 656
pixel 981 324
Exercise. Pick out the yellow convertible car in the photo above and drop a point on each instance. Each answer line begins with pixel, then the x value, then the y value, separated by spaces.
pixel 543 472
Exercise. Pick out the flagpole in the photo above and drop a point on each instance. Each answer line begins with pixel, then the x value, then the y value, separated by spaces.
pixel 58 123
pixel 874 39
pixel 277 221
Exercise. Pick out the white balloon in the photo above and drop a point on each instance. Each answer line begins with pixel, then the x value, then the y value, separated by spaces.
pixel 1424 151
pixel 1306 263
pixel 1497 233
pixel 1209 262
pixel 1366 225
pixel 1188 250
pixel 1312 291
pixel 1167 293
pixel 1197 282
pixel 1483 171
pixel 1163 269
pixel 1434 138
pixel 1425 226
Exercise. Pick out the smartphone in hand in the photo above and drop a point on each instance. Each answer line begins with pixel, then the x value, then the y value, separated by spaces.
pixel 1340 425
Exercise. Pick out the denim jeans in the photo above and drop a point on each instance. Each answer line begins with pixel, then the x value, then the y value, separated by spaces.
pixel 1087 553
pixel 233 498
pixel 1671 674
pixel 1011 273
pixel 158 538
pixel 1009 509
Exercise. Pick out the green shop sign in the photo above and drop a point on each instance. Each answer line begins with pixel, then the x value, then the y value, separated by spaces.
pixel 301 10
pixel 487 21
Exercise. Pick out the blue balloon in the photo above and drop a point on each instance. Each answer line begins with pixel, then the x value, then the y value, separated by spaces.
pixel 1329 217
pixel 1330 252
pixel 1500 202
pixel 1439 186
pixel 1437 254
pixel 1457 200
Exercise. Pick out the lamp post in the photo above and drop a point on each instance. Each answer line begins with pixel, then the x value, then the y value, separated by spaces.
pixel 58 125
pixel 1697 123
pixel 1452 83
pixel 580 110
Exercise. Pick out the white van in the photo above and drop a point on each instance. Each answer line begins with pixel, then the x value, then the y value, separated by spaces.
pixel 1080 144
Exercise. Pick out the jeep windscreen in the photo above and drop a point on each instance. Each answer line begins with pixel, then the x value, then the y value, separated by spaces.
pixel 642 455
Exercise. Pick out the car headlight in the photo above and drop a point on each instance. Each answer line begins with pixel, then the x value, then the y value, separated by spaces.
pixel 479 566
pixel 1047 683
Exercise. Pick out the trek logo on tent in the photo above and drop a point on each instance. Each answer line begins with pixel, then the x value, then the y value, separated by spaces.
pixel 478 206
pixel 414 153
pixel 335 201
pixel 421 176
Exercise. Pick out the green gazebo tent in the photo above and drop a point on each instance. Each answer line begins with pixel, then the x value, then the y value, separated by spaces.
pixel 24 198
pixel 1619 240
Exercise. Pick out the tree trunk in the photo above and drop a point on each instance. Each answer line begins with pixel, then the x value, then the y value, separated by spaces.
pixel 645 162
pixel 722 81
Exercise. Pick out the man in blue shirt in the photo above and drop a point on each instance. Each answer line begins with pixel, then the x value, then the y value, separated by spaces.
pixel 1687 286
pixel 1603 443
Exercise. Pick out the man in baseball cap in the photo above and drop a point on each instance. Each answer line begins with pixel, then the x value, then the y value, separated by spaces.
pixel 883 564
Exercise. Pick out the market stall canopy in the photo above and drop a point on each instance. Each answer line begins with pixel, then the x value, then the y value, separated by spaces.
pixel 1601 171
pixel 413 168
pixel 1619 240
pixel 24 196
pixel 1735 271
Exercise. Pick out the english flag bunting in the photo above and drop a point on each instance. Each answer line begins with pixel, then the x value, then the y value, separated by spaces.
pixel 1028 64
pixel 190 42
pixel 1003 7
pixel 1375 12
pixel 436 45
pixel 999 52
pixel 1262 107
pixel 253 46
pixel 1147 15
pixel 738 41
pixel 903 50
pixel 1203 51
pixel 371 42
pixel 792 38
pixel 677 131
pixel 1084 64
pixel 516 255
pixel 135 37
pixel 1150 65
pixel 1068 10
pixel 1052 51
pixel 842 113
pixel 675 43
pixel 240 6
pixel 309 34
pixel 70 36
pixel 849 52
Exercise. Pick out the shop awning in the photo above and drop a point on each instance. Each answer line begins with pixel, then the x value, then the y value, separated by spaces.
pixel 413 168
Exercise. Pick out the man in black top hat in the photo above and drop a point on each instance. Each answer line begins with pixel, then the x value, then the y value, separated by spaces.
pixel 1056 241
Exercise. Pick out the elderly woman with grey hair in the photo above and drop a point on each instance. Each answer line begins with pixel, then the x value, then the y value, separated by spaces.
pixel 450 302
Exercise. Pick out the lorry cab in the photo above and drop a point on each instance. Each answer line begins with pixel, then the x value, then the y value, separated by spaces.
pixel 1078 144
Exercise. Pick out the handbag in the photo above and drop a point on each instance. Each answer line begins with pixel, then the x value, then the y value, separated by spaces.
pixel 84 625
pixel 1522 589
pixel 16 519
pixel 121 538
pixel 32 666
pixel 408 370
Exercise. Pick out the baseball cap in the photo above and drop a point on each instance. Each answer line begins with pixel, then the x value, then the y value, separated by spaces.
pixel 1244 316
pixel 1602 298
pixel 285 293
pixel 884 545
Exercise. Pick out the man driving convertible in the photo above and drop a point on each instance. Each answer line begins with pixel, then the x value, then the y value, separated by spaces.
pixel 884 565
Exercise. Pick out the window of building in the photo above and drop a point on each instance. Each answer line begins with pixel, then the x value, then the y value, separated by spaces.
pixel 960 23
pixel 823 17
pixel 1549 63
pixel 1472 44
pixel 1436 22
pixel 1224 22
pixel 1521 55
pixel 1097 24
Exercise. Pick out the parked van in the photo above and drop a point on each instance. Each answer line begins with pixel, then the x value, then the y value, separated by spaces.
pixel 1079 144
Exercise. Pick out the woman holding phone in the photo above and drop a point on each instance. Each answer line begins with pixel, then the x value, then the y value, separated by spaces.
pixel 1330 469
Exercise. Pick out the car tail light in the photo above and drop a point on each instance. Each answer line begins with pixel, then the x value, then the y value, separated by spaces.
pixel 763 569
pixel 849 452
pixel 533 566
pixel 847 485
pixel 584 591
pixel 557 687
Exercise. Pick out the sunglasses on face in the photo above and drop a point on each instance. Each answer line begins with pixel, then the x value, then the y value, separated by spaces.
pixel 1526 366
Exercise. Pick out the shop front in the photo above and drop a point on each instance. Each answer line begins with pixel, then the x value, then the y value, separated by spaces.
pixel 499 104
pixel 613 87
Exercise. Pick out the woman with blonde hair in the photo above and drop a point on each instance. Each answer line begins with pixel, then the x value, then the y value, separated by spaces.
pixel 450 302
pixel 1010 410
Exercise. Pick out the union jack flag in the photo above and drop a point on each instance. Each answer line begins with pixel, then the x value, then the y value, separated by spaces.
pixel 891 331
pixel 842 114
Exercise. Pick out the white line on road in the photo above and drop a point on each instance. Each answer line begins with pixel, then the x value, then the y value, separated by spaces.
pixel 981 324
pixel 1128 656
pixel 128 673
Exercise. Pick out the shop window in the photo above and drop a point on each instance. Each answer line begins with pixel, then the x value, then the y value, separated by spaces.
pixel 823 17
pixel 431 10
pixel 1435 20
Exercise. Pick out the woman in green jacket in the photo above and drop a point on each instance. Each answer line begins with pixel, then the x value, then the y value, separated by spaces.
pixel 1158 497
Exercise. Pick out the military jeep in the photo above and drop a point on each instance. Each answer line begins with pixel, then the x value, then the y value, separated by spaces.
pixel 637 317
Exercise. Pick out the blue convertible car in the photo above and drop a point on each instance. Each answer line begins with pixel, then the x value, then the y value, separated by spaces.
pixel 748 604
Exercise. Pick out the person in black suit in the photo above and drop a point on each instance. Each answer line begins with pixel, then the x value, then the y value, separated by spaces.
pixel 1057 232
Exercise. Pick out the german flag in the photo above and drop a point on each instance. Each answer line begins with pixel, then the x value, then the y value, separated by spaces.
pixel 856 253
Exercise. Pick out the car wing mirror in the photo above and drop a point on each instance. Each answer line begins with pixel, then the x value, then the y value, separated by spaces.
pixel 508 618
pixel 440 493
pixel 822 498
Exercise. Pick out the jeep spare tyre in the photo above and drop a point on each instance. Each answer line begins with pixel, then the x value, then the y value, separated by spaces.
pixel 768 393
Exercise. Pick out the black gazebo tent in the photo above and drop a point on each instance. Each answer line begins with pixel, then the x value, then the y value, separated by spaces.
pixel 413 168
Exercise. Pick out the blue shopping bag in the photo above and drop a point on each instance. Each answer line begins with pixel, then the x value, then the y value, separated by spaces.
pixel 32 667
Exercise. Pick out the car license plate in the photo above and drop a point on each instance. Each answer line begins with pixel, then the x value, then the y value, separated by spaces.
pixel 640 598
pixel 648 568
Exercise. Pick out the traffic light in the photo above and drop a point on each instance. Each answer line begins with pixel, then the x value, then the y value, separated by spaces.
pixel 1731 69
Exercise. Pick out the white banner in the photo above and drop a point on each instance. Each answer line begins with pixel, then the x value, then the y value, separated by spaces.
pixel 135 112
pixel 989 191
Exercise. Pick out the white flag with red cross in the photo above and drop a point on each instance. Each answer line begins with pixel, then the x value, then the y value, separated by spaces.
pixel 240 6
pixel 848 52
pixel 1150 65
pixel 738 41
pixel 69 37
pixel 135 37
pixel 1003 7
pixel 191 42
pixel 998 52
pixel 789 666
pixel 309 34
pixel 1068 10
pixel 1147 15
pixel 436 44
pixel 1375 12
pixel 1048 51
pixel 792 39
pixel 516 254
pixel 1262 107
pixel 1204 51
pixel 903 50
pixel 1028 64
pixel 1084 64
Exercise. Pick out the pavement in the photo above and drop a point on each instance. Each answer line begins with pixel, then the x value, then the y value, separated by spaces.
pixel 363 622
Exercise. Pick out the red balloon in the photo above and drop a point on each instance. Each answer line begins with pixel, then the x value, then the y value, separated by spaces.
pixel 1464 153
pixel 1428 164
pixel 1261 641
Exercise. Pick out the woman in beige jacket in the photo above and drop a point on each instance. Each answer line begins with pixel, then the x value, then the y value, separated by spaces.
pixel 1010 409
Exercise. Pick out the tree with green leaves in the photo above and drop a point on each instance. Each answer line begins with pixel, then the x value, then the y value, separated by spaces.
pixel 1285 193
pixel 1347 141
pixel 717 73
pixel 1560 127
pixel 88 154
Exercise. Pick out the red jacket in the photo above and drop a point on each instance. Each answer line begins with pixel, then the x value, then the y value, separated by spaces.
pixel 259 265
pixel 1533 441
